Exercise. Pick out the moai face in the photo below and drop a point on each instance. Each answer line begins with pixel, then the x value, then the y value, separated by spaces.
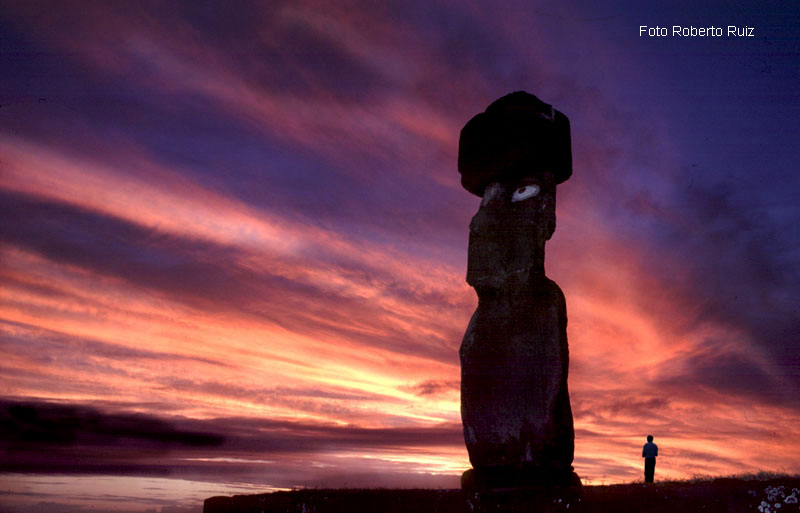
pixel 508 233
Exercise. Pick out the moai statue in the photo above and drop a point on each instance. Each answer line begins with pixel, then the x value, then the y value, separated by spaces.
pixel 514 357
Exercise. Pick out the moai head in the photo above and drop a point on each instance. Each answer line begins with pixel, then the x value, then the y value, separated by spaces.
pixel 513 155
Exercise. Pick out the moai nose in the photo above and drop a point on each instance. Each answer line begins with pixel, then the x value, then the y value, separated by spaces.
pixel 493 194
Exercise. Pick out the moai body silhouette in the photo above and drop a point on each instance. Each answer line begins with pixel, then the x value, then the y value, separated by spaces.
pixel 515 404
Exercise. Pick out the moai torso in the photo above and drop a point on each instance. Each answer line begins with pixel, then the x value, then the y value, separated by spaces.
pixel 514 357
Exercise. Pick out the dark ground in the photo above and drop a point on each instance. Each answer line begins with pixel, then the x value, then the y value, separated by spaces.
pixel 719 495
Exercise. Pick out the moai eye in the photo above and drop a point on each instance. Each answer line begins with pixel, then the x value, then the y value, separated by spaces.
pixel 525 192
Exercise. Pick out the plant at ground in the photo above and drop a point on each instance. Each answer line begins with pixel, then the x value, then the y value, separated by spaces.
pixel 775 499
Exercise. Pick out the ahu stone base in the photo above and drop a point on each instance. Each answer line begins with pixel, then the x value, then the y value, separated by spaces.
pixel 512 479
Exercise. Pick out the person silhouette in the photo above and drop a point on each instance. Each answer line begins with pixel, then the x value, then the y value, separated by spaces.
pixel 649 453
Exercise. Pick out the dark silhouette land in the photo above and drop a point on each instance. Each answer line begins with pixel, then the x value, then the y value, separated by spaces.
pixel 711 496
pixel 515 404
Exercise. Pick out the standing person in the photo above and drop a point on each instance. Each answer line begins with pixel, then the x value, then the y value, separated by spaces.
pixel 649 453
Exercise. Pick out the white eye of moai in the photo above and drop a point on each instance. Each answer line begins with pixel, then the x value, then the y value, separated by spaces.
pixel 525 192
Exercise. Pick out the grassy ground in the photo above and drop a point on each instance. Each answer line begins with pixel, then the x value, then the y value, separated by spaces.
pixel 762 493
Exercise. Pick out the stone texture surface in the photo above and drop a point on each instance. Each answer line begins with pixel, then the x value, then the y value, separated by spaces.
pixel 514 356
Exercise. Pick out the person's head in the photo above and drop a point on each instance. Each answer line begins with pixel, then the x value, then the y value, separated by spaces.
pixel 649 438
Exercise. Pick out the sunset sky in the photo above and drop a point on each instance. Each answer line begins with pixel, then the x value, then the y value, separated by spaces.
pixel 233 240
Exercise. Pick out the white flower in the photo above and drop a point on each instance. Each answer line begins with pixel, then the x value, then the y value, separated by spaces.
pixel 791 499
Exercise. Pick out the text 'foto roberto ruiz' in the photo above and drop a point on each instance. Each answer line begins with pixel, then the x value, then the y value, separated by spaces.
pixel 692 31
